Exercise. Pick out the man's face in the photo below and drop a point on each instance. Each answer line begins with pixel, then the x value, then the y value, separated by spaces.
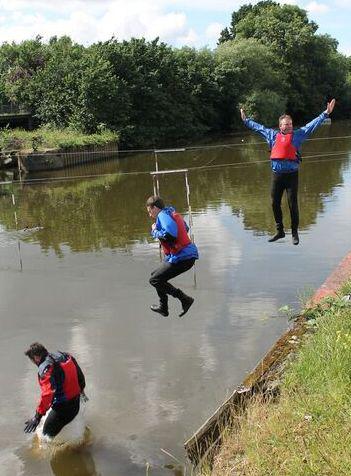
pixel 153 211
pixel 36 360
pixel 286 126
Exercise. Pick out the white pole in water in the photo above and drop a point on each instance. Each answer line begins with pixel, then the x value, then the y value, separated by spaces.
pixel 161 151
pixel 18 241
pixel 154 184
pixel 157 192
pixel 157 188
pixel 187 188
pixel 19 166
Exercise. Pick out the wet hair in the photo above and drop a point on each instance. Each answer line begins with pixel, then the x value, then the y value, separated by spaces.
pixel 36 349
pixel 284 116
pixel 155 201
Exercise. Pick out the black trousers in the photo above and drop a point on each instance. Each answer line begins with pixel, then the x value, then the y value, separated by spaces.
pixel 161 275
pixel 60 415
pixel 290 183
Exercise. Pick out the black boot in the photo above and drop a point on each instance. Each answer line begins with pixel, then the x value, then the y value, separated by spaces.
pixel 186 301
pixel 162 308
pixel 280 234
pixel 295 237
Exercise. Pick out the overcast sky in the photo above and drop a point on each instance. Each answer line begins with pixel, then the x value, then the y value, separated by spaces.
pixel 177 22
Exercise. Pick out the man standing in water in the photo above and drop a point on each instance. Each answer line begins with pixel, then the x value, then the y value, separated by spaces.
pixel 180 253
pixel 285 157
pixel 61 383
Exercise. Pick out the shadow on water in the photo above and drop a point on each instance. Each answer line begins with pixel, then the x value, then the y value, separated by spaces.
pixel 73 463
pixel 82 462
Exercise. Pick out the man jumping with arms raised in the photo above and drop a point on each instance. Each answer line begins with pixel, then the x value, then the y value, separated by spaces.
pixel 285 144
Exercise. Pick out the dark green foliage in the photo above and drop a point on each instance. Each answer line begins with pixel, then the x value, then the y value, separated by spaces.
pixel 169 94
pixel 312 69
pixel 265 106
pixel 243 70
pixel 269 60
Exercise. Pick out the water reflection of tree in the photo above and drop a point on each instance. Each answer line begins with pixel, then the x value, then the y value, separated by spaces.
pixel 247 188
pixel 109 212
pixel 85 215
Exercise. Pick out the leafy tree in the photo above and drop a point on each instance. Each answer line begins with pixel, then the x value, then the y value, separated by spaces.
pixel 312 67
pixel 169 94
pixel 270 22
pixel 56 86
pixel 244 68
pixel 346 103
pixel 143 68
pixel 265 106
pixel 19 63
pixel 99 96
pixel 155 95
pixel 230 33
pixel 197 89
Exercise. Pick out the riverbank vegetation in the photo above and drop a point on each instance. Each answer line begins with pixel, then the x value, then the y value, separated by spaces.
pixel 47 138
pixel 307 429
pixel 269 60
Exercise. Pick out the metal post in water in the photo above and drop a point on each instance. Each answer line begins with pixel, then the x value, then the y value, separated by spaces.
pixel 162 151
pixel 19 166
pixel 18 241
pixel 157 192
pixel 187 188
pixel 156 170
pixel 154 184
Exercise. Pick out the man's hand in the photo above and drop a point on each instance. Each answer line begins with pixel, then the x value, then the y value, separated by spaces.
pixel 330 106
pixel 83 397
pixel 31 425
pixel 153 226
pixel 243 115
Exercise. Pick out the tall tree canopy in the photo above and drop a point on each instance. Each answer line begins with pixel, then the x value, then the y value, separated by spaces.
pixel 270 60
pixel 313 69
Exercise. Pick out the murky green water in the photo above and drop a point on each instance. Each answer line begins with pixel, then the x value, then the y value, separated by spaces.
pixel 84 288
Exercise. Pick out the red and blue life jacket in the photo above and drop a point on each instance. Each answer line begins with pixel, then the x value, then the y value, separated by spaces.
pixel 283 148
pixel 59 380
pixel 182 239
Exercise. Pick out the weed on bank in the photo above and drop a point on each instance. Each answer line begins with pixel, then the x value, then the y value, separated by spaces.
pixel 307 430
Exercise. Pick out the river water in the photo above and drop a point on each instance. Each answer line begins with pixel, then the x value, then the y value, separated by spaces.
pixel 87 256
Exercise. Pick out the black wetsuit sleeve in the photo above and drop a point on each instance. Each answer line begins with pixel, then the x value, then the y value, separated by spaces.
pixel 81 378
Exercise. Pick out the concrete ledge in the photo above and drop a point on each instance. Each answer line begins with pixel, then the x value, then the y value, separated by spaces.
pixel 59 159
pixel 329 288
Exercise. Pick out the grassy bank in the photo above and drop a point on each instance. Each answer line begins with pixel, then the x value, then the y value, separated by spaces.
pixel 45 138
pixel 307 430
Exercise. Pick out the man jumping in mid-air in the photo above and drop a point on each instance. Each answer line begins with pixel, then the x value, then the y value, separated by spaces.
pixel 180 253
pixel 285 157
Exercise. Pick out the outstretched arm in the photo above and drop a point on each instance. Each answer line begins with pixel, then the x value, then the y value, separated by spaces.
pixel 330 106
pixel 266 133
pixel 309 128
